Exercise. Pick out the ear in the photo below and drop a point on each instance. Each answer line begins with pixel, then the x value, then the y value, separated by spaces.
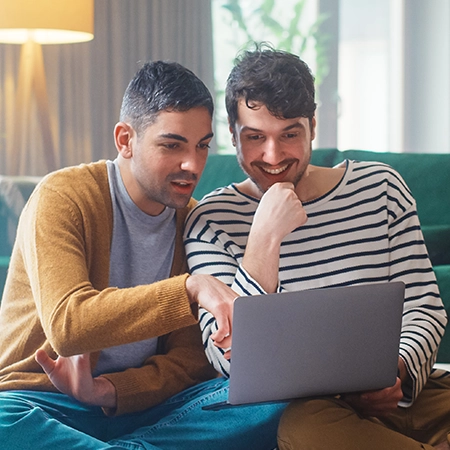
pixel 123 134
pixel 313 128
pixel 230 128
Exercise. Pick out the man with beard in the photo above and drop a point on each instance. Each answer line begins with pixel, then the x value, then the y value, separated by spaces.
pixel 100 342
pixel 294 226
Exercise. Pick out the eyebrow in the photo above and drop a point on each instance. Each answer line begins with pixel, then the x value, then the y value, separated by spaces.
pixel 294 125
pixel 288 128
pixel 178 137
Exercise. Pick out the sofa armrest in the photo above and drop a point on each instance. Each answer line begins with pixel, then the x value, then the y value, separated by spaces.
pixel 443 279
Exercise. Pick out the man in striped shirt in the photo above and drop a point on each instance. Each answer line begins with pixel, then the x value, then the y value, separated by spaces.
pixel 294 226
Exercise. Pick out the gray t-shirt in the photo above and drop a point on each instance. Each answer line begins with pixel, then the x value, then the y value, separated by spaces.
pixel 141 253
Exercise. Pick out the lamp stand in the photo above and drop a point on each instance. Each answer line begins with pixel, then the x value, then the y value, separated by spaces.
pixel 32 80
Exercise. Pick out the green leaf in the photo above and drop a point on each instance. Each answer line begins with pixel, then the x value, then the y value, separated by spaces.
pixel 235 9
pixel 267 6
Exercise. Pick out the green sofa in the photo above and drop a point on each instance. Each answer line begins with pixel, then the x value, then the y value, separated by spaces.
pixel 426 175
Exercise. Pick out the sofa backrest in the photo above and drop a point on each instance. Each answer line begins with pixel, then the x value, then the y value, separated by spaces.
pixel 426 174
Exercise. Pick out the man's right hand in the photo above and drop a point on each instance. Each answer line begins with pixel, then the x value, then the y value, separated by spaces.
pixel 279 212
pixel 217 298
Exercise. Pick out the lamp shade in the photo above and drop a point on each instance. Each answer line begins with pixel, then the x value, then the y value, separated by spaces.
pixel 46 21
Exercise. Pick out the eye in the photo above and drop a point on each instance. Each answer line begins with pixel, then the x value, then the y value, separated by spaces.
pixel 254 137
pixel 291 135
pixel 171 145
pixel 203 146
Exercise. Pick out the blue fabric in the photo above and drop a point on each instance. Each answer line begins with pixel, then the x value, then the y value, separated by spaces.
pixel 42 420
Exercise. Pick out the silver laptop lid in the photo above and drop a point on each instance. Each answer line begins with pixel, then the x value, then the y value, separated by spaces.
pixel 315 342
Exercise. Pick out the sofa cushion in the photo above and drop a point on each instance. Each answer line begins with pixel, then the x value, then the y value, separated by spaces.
pixel 437 240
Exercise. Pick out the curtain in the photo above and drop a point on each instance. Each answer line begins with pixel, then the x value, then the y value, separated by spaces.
pixel 86 81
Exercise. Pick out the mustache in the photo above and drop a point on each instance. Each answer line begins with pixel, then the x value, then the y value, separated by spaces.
pixel 285 162
pixel 183 176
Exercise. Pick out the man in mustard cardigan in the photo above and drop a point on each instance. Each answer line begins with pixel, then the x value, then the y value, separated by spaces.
pixel 98 296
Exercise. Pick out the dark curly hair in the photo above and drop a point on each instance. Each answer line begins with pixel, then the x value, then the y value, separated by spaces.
pixel 162 86
pixel 277 79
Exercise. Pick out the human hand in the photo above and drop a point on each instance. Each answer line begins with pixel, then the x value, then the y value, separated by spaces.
pixel 225 345
pixel 378 403
pixel 279 212
pixel 217 298
pixel 72 376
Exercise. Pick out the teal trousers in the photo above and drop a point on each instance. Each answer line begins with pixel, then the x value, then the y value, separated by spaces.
pixel 43 420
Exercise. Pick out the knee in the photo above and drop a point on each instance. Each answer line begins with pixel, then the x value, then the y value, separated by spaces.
pixel 12 408
pixel 302 423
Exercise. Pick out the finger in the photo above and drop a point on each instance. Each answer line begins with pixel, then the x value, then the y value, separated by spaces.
pixel 286 185
pixel 224 343
pixel 224 321
pixel 223 329
pixel 47 363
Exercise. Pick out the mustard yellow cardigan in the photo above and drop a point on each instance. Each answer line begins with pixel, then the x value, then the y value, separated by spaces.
pixel 57 297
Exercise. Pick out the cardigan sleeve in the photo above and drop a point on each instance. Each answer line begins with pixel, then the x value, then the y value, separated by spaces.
pixel 69 274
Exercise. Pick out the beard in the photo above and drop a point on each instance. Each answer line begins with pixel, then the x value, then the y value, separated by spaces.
pixel 252 174
pixel 164 194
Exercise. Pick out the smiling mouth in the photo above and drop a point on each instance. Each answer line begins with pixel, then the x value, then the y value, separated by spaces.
pixel 275 171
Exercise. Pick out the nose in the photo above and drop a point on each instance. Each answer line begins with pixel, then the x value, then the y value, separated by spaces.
pixel 194 161
pixel 272 152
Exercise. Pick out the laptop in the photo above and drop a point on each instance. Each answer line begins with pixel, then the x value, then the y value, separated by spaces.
pixel 325 341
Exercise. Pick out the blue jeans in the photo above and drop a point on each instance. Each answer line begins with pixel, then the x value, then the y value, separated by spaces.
pixel 42 420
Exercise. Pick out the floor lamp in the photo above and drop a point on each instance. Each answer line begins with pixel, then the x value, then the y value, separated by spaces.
pixel 32 23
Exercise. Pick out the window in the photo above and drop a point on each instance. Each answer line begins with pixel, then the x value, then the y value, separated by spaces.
pixel 364 73
pixel 383 85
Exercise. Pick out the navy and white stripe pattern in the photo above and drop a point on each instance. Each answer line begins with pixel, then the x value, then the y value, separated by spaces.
pixel 366 230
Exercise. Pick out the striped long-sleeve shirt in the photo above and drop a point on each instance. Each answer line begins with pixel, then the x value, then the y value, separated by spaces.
pixel 366 230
